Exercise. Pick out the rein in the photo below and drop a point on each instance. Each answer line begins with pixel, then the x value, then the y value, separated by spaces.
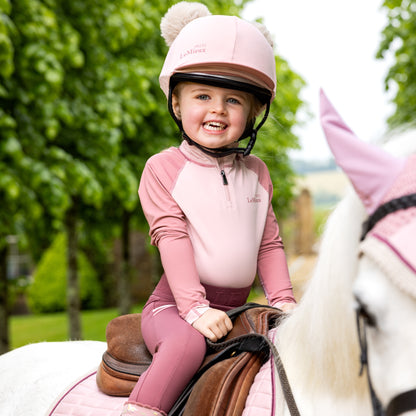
pixel 287 391
pixel 406 401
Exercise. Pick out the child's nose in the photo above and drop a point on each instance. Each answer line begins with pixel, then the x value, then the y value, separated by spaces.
pixel 218 106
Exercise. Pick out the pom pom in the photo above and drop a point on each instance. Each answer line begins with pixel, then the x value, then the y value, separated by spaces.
pixel 178 16
pixel 263 29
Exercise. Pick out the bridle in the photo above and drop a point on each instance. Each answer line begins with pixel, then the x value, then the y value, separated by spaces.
pixel 406 401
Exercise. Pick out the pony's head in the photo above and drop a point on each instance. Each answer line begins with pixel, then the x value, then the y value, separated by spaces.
pixel 385 287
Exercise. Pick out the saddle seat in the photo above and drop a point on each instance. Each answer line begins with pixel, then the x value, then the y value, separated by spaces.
pixel 222 384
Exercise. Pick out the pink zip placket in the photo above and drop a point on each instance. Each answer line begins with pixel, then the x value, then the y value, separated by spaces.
pixel 225 183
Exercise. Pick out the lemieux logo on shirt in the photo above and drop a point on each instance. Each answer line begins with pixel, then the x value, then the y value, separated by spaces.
pixel 254 200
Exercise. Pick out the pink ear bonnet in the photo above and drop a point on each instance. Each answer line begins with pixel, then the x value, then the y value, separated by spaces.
pixel 378 177
pixel 371 170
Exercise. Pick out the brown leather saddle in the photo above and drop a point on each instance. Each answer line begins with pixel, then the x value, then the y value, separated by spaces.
pixel 221 385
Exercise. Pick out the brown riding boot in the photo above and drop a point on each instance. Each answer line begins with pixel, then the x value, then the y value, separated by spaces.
pixel 132 409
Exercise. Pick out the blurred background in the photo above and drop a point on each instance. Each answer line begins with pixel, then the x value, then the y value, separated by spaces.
pixel 81 111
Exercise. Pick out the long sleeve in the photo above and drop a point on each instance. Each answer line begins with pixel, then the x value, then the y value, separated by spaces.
pixel 272 264
pixel 168 231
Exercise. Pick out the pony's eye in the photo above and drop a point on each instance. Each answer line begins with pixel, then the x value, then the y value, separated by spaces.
pixel 363 312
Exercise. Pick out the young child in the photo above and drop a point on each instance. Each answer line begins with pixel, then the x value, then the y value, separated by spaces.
pixel 208 202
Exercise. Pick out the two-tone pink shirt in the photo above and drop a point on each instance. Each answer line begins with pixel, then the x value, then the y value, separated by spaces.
pixel 213 222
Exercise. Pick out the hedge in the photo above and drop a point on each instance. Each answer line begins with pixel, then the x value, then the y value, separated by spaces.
pixel 47 292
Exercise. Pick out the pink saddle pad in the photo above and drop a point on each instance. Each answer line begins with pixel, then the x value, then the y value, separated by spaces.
pixel 84 399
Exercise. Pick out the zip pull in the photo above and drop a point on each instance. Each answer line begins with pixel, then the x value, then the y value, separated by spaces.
pixel 224 178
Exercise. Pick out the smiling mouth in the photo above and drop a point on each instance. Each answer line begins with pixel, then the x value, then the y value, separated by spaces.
pixel 215 126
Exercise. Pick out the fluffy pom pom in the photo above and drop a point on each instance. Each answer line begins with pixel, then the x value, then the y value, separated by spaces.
pixel 263 29
pixel 178 16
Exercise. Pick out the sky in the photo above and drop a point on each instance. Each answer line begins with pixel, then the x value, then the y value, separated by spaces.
pixel 332 44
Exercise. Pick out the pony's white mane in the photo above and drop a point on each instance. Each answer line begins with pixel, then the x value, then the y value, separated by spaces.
pixel 318 342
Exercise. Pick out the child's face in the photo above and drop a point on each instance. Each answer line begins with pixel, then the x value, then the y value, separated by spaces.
pixel 212 116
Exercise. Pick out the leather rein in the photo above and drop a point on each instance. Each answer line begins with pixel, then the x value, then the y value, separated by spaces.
pixel 405 401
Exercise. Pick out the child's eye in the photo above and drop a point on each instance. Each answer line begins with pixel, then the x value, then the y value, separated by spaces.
pixel 233 100
pixel 203 97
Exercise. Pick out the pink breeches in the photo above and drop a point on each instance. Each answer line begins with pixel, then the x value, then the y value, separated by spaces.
pixel 178 349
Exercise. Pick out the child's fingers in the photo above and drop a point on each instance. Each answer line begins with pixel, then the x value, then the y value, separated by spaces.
pixel 213 324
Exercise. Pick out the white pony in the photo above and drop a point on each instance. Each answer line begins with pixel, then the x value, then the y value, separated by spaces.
pixel 318 342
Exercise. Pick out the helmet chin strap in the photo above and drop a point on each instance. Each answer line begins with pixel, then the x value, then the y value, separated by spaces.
pixel 223 151
pixel 218 152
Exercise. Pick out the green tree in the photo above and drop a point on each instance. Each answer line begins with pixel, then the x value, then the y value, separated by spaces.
pixel 47 292
pixel 20 205
pixel 6 68
pixel 46 51
pixel 399 39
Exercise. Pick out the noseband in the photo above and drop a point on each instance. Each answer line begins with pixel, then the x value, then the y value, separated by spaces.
pixel 406 401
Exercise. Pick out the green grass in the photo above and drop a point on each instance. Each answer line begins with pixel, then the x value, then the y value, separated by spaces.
pixel 54 326
pixel 28 329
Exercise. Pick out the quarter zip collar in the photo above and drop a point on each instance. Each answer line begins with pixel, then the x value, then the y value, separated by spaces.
pixel 198 156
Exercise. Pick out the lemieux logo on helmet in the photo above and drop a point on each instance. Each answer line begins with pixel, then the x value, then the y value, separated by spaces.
pixel 201 48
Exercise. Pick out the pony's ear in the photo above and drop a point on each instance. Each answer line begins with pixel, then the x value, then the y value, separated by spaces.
pixel 370 169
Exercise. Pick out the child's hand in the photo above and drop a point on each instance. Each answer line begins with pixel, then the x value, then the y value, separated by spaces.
pixel 213 324
pixel 288 307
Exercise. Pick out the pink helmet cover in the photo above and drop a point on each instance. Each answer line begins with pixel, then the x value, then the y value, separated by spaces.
pixel 221 44
pixel 371 170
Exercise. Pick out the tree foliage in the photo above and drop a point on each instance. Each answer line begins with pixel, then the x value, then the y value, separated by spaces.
pixel 399 39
